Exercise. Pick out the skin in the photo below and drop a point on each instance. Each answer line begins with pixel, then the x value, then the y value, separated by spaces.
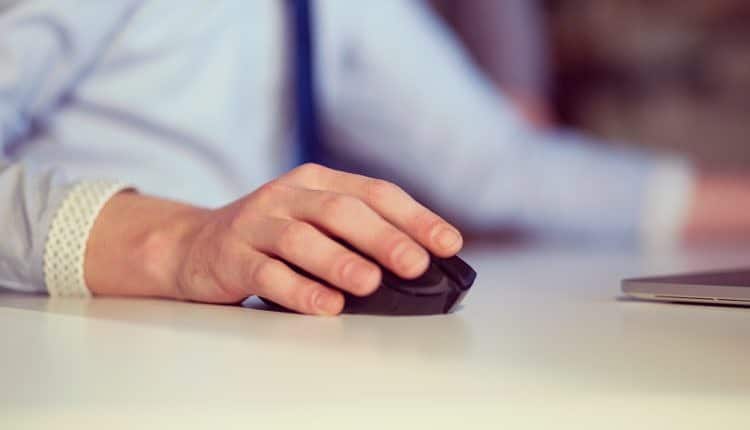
pixel 719 210
pixel 145 246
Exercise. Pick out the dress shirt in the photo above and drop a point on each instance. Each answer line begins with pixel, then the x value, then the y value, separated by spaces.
pixel 189 100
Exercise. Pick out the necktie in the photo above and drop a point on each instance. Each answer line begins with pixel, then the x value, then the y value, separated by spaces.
pixel 308 136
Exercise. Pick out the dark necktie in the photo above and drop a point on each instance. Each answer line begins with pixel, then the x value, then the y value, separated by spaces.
pixel 308 136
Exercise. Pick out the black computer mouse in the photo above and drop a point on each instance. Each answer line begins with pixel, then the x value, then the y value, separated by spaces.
pixel 438 291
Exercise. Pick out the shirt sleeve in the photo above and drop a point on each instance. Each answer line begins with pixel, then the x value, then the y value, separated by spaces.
pixel 28 201
pixel 45 49
pixel 65 247
pixel 507 38
pixel 422 112
pixel 46 224
pixel 667 204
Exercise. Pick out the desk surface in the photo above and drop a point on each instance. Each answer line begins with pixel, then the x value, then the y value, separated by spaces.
pixel 543 339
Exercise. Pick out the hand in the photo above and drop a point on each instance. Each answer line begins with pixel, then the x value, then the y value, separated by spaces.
pixel 242 249
pixel 535 110
pixel 719 209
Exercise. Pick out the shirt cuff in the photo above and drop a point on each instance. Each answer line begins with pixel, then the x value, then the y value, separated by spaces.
pixel 65 248
pixel 668 197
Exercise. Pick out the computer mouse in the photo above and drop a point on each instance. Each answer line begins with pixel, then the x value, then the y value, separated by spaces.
pixel 438 291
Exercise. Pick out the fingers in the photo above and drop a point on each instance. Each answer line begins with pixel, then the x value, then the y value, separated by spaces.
pixel 350 219
pixel 388 200
pixel 234 254
pixel 306 247
pixel 274 280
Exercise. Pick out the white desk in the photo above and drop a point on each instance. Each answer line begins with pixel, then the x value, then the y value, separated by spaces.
pixel 542 341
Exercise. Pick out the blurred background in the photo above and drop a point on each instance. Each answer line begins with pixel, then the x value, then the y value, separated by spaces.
pixel 669 74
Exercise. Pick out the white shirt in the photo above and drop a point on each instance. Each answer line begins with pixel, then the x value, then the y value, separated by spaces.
pixel 188 100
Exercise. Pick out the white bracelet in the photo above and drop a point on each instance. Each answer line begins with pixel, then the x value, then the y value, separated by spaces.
pixel 65 249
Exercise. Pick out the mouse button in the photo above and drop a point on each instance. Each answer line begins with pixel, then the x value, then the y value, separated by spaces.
pixel 383 301
pixel 432 276
pixel 458 270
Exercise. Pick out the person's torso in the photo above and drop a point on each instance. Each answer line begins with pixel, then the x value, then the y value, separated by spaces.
pixel 187 102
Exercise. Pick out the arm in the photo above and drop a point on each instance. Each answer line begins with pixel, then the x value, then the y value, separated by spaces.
pixel 91 238
pixel 507 40
pixel 416 108
pixel 421 113
pixel 41 58
pixel 29 201
pixel 147 246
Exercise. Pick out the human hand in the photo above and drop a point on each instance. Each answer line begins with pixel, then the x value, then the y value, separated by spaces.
pixel 718 211
pixel 533 109
pixel 243 249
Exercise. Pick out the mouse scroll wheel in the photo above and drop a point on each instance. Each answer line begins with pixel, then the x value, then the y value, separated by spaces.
pixel 458 270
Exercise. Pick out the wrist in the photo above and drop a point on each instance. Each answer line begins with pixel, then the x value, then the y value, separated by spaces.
pixel 163 246
pixel 137 245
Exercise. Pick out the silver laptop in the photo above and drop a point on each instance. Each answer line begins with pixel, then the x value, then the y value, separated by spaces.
pixel 719 287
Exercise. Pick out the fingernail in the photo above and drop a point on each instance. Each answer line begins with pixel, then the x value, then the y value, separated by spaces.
pixel 411 259
pixel 363 276
pixel 326 303
pixel 447 238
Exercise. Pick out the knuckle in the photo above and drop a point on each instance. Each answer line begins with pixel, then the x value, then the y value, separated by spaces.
pixel 426 222
pixel 394 244
pixel 268 199
pixel 343 261
pixel 308 172
pixel 239 221
pixel 293 238
pixel 336 205
pixel 305 294
pixel 265 271
pixel 237 224
pixel 379 190
pixel 267 193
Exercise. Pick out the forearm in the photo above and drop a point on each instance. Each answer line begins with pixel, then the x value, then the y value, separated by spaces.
pixel 550 186
pixel 75 238
pixel 447 134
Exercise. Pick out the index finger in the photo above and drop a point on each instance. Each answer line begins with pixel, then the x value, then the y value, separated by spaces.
pixel 390 201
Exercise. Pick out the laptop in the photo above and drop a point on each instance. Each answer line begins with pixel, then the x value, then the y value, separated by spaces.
pixel 725 287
